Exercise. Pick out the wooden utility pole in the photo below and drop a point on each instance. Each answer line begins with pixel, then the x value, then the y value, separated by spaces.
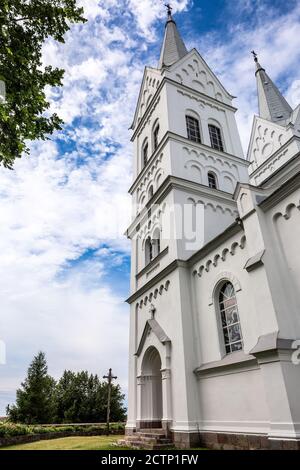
pixel 109 378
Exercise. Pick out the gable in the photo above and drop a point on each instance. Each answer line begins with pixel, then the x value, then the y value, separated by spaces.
pixel 193 71
pixel 151 81
pixel 152 325
pixel 266 138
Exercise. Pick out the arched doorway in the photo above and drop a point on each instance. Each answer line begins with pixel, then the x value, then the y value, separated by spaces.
pixel 151 392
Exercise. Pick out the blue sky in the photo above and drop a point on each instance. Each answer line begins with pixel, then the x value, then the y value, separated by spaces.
pixel 64 262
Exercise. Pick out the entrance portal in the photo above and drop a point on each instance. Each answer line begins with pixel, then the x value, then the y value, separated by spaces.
pixel 151 391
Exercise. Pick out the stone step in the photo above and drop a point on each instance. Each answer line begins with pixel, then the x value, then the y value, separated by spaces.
pixel 151 435
pixel 147 439
pixel 151 430
pixel 165 440
pixel 133 438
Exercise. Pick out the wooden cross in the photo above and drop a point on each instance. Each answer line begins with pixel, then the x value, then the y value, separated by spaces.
pixel 109 378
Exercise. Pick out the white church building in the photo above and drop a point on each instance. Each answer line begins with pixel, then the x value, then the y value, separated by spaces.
pixel 215 272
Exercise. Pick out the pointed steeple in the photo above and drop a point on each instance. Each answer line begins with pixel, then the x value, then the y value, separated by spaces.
pixel 272 104
pixel 173 47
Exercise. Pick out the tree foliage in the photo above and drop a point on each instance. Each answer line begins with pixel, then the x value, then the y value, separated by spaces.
pixel 35 402
pixel 25 25
pixel 82 398
pixel 76 398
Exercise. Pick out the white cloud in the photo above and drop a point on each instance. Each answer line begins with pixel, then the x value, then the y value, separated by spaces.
pixel 147 11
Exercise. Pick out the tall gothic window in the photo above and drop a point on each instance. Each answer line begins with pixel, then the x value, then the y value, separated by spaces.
pixel 152 247
pixel 156 137
pixel 150 192
pixel 145 152
pixel 230 319
pixel 148 250
pixel 193 129
pixel 216 137
pixel 212 180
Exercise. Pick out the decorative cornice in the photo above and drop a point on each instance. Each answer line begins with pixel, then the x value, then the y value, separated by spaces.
pixel 255 262
pixel 206 98
pixel 152 325
pixel 274 155
pixel 165 80
pixel 270 346
pixel 228 233
pixel 230 364
pixel 283 191
pixel 182 139
pixel 156 279
pixel 214 260
pixel 172 182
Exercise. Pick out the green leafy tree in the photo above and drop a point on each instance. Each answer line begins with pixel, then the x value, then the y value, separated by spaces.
pixel 83 398
pixel 36 400
pixel 24 27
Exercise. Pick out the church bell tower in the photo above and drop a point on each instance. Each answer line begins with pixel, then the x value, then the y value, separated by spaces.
pixel 187 161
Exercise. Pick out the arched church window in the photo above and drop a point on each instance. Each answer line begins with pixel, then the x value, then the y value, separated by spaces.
pixel 156 243
pixel 145 151
pixel 230 319
pixel 212 180
pixel 155 136
pixel 148 250
pixel 215 137
pixel 150 192
pixel 193 129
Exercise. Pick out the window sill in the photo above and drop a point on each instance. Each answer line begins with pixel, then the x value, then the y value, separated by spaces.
pixel 152 263
pixel 230 364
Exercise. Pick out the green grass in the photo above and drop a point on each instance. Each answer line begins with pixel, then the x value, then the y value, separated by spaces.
pixel 72 443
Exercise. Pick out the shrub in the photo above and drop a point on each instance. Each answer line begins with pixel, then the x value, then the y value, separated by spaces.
pixel 9 429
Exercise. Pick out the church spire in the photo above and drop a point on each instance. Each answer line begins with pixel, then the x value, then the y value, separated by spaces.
pixel 272 105
pixel 173 47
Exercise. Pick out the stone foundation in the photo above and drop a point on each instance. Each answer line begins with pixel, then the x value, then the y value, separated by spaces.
pixel 222 441
pixel 226 441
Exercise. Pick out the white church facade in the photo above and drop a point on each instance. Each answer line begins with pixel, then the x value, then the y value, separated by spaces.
pixel 215 272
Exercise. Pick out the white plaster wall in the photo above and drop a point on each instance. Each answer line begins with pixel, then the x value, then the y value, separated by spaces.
pixel 282 229
pixel 218 214
pixel 234 402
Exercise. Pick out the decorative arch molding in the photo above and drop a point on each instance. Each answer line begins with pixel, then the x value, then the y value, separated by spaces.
pixel 287 212
pixel 217 258
pixel 214 207
pixel 153 294
pixel 152 107
pixel 155 167
pixel 220 279
pixel 191 112
pixel 213 159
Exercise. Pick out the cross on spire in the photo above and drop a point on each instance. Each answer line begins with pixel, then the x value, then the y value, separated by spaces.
pixel 169 10
pixel 272 104
pixel 173 48
pixel 255 56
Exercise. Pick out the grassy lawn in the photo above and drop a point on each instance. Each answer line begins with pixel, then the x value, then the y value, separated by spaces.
pixel 71 443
